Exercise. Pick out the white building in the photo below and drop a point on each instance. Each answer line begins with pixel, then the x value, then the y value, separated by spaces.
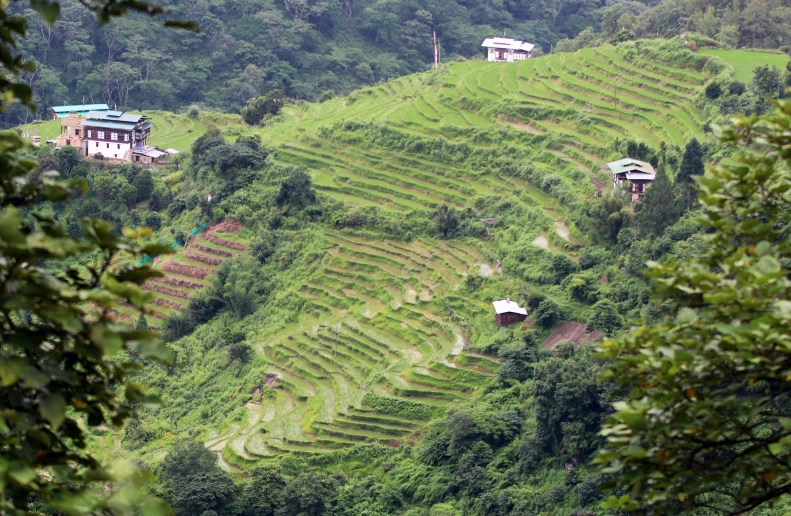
pixel 113 134
pixel 507 50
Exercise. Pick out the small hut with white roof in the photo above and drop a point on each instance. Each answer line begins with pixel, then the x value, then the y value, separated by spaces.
pixel 508 312
pixel 507 50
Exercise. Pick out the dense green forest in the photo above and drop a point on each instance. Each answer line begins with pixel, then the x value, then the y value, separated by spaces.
pixel 313 49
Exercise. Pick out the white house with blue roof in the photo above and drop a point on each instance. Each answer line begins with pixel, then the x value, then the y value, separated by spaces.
pixel 636 175
pixel 114 134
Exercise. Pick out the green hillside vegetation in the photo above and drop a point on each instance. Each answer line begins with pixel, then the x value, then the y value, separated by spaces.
pixel 744 62
pixel 364 350
pixel 328 303
pixel 169 131
pixel 315 49
pixel 347 308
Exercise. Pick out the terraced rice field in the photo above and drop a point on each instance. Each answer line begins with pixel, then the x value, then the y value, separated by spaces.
pixel 374 343
pixel 187 271
pixel 566 107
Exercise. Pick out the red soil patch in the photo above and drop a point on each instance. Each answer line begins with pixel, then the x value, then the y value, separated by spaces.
pixel 570 330
pixel 161 289
pixel 226 226
pixel 185 270
pixel 167 303
pixel 178 282
pixel 208 260
pixel 214 239
pixel 211 250
pixel 598 183
pixel 271 379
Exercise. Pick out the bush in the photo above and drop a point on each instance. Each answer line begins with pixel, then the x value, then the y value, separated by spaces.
pixel 548 313
pixel 605 317
pixel 737 88
pixel 270 104
pixel 713 91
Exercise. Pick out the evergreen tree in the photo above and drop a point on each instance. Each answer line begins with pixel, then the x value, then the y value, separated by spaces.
pixel 142 323
pixel 691 166
pixel 692 162
pixel 658 207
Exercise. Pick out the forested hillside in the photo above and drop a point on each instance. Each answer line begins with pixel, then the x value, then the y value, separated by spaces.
pixel 328 301
pixel 314 49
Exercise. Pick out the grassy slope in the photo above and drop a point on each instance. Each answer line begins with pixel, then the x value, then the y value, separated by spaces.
pixel 169 131
pixel 373 318
pixel 745 61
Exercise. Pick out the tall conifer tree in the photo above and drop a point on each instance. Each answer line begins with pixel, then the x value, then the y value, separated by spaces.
pixel 659 208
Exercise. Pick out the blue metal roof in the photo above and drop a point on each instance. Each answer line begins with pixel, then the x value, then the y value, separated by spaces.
pixel 102 124
pixel 81 107
pixel 115 116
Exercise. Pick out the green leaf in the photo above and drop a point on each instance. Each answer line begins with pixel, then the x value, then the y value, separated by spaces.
pixel 53 408
pixel 10 222
pixel 762 248
pixel 22 475
pixel 768 265
pixel 686 316
pixel 48 10
pixel 11 370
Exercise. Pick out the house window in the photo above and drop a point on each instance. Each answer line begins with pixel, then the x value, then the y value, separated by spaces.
pixel 108 145
pixel 76 132
pixel 101 135
pixel 137 158
pixel 114 136
pixel 89 133
pixel 126 137
pixel 118 145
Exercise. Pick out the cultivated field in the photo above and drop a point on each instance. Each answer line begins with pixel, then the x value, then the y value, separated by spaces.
pixel 744 62
pixel 375 355
pixel 557 112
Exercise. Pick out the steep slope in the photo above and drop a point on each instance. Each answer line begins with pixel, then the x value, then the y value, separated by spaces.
pixel 378 348
pixel 366 338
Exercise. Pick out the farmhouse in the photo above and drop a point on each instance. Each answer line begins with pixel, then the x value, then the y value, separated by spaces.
pixel 114 135
pixel 507 50
pixel 508 312
pixel 636 174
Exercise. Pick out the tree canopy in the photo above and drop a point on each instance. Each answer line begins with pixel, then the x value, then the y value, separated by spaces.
pixel 704 422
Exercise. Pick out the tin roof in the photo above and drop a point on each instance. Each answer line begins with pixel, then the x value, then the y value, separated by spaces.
pixel 116 116
pixel 80 107
pixel 101 124
pixel 508 44
pixel 630 165
pixel 508 306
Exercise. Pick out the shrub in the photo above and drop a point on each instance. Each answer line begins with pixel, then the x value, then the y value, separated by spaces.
pixel 548 313
pixel 737 88
pixel 257 109
pixel 713 91
pixel 605 317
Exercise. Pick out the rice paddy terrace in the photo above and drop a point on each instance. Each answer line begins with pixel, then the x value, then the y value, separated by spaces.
pixel 187 271
pixel 379 348
pixel 376 354
pixel 411 143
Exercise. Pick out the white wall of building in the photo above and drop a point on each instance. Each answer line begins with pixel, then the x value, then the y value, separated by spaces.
pixel 110 150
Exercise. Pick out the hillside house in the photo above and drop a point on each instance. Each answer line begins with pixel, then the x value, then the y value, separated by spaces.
pixel 508 312
pixel 81 110
pixel 507 50
pixel 635 174
pixel 114 135
pixel 70 131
